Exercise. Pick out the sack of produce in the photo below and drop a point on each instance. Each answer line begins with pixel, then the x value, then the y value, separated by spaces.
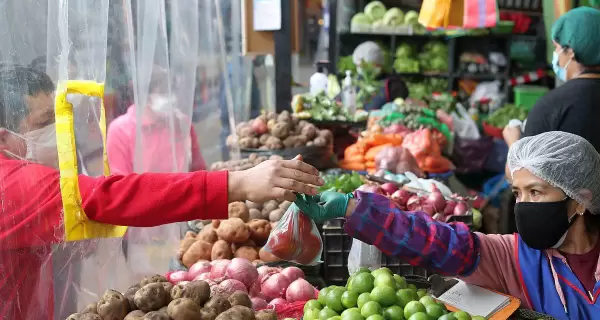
pixel 426 150
pixel 470 155
pixel 295 238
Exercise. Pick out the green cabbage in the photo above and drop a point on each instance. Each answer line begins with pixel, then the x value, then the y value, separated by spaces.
pixel 411 17
pixel 393 17
pixel 375 10
pixel 361 19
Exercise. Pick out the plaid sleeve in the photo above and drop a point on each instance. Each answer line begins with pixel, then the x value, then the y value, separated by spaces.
pixel 413 237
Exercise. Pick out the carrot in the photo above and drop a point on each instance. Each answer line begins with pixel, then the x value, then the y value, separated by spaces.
pixel 355 158
pixel 356 166
pixel 372 153
pixel 370 164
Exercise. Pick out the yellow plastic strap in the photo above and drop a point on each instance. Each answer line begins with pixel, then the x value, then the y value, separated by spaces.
pixel 76 224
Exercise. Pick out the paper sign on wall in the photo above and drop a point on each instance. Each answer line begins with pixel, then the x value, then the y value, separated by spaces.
pixel 267 15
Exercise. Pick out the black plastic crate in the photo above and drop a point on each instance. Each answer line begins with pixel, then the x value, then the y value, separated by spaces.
pixel 336 247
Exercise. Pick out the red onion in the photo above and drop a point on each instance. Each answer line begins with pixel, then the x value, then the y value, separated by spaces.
pixel 436 199
pixel 428 208
pixel 449 209
pixel 389 188
pixel 227 287
pixel 242 270
pixel 413 203
pixel 258 303
pixel 460 209
pixel 266 270
pixel 259 126
pixel 300 290
pixel 218 268
pixel 277 301
pixel 274 286
pixel 203 276
pixel 293 273
pixel 401 197
pixel 198 268
pixel 178 276
pixel 371 188
pixel 439 217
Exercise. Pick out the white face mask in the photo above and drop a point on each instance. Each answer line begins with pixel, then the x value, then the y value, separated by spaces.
pixel 41 146
pixel 161 104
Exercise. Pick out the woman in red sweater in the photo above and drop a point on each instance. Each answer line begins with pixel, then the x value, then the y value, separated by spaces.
pixel 31 220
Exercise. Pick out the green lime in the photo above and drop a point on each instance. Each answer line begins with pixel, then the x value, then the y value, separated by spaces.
pixel 322 294
pixel 447 316
pixel 478 318
pixel 434 311
pixel 381 270
pixel 400 282
pixel 393 313
pixel 362 270
pixel 349 299
pixel 352 314
pixel 326 313
pixel 421 293
pixel 349 282
pixel 334 299
pixel 404 296
pixel 412 286
pixel 311 314
pixel 312 304
pixel 461 315
pixel 376 317
pixel 362 299
pixel 335 318
pixel 427 300
pixel 441 304
pixel 384 295
pixel 362 282
pixel 412 308
pixel 370 308
pixel 384 279
pixel 419 316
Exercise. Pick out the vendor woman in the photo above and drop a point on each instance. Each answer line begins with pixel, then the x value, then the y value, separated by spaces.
pixel 552 264
pixel 31 221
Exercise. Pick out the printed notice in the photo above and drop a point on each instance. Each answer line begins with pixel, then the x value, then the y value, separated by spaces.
pixel 266 15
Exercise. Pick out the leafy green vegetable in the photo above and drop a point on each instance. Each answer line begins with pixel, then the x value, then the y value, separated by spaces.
pixel 344 182
pixel 346 64
pixel 500 117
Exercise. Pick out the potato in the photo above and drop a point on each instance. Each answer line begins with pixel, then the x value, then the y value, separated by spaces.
pixel 130 293
pixel 259 230
pixel 208 314
pixel 168 287
pixel 276 215
pixel 300 142
pixel 290 141
pixel 199 250
pixel 183 309
pixel 218 303
pixel 247 312
pixel 151 297
pixel 273 143
pixel 253 205
pixel 327 135
pixel 265 315
pixel 233 230
pixel 90 308
pixel 254 214
pixel 216 223
pixel 266 256
pixel 238 210
pixel 320 142
pixel 240 298
pixel 112 305
pixel 248 253
pixel 152 279
pixel 237 313
pixel 270 206
pixel 248 243
pixel 285 205
pixel 156 315
pixel 221 250
pixel 271 123
pixel 309 131
pixel 197 290
pixel 208 234
pixel 135 315
pixel 190 235
pixel 84 316
pixel 164 309
pixel 184 245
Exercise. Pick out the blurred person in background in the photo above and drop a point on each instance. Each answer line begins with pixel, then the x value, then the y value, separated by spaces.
pixel 31 224
pixel 158 139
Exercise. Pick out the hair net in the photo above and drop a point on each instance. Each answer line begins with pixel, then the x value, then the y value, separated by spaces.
pixel 369 52
pixel 564 160
pixel 578 30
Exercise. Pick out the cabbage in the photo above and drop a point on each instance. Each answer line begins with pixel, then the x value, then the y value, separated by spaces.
pixel 361 19
pixel 411 17
pixel 369 52
pixel 378 23
pixel 405 50
pixel 375 10
pixel 393 17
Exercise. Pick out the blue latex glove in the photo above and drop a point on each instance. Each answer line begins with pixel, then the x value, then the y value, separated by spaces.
pixel 324 206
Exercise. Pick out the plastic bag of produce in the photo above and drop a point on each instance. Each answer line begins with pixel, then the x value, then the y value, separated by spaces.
pixel 470 155
pixel 296 238
pixel 363 255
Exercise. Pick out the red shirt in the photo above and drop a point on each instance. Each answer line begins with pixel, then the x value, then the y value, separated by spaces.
pixel 30 221
pixel 584 266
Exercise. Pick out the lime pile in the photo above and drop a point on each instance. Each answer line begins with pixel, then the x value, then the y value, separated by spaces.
pixel 378 295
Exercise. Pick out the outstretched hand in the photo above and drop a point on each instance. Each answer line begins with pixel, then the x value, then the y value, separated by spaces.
pixel 274 179
pixel 324 206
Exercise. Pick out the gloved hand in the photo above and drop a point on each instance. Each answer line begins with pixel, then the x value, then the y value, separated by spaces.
pixel 324 206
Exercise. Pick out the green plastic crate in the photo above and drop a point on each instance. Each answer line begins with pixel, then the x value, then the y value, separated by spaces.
pixel 504 27
pixel 527 96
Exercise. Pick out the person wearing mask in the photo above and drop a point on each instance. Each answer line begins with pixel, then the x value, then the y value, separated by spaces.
pixel 552 264
pixel 31 224
pixel 158 136
pixel 571 107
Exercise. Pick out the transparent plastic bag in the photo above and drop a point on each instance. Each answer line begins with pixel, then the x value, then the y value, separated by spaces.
pixel 296 238
pixel 363 255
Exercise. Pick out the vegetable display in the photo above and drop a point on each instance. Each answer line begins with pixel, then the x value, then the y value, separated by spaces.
pixel 361 155
pixel 376 17
pixel 272 131
pixel 378 294
pixel 500 117
pixel 322 108
pixel 242 164
pixel 344 183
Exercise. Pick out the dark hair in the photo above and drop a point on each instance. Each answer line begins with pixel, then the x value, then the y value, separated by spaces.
pixel 39 64
pixel 15 84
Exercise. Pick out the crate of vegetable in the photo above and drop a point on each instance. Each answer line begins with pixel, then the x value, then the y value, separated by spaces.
pixel 500 117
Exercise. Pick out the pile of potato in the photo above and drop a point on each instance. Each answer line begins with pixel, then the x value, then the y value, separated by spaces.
pixel 241 236
pixel 155 298
pixel 272 131
pixel 242 164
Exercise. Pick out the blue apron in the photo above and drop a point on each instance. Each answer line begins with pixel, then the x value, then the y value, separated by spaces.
pixel 538 286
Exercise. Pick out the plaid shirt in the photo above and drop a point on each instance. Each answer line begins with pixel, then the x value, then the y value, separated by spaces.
pixel 413 237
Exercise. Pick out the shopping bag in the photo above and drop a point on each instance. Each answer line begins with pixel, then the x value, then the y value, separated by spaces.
pixel 296 238
pixel 363 255
pixel 456 15
pixel 480 14
pixel 434 13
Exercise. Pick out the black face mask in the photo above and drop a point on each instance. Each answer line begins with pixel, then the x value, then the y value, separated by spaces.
pixel 542 225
